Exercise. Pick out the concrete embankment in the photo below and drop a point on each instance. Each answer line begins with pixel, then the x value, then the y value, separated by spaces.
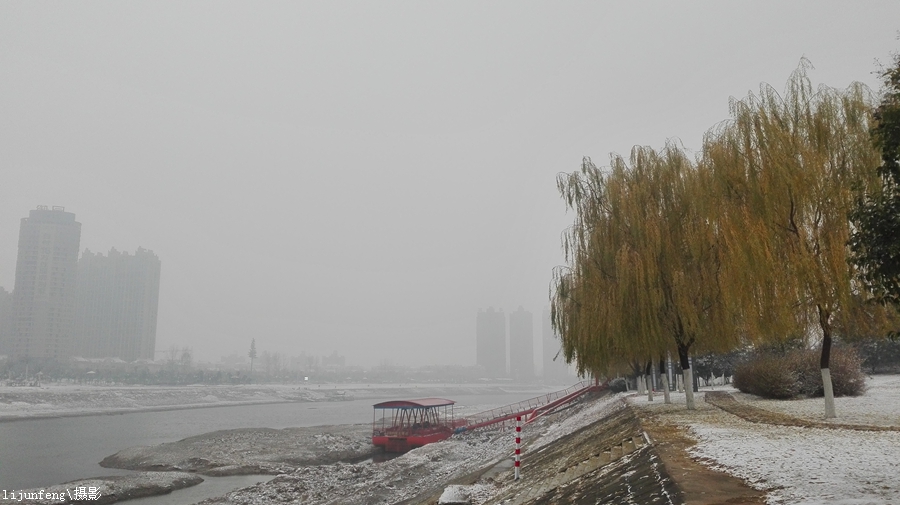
pixel 592 451
pixel 607 461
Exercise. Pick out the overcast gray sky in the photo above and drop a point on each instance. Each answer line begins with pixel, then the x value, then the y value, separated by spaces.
pixel 363 176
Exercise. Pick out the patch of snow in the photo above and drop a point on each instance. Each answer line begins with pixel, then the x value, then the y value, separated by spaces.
pixel 455 494
pixel 879 406
pixel 796 465
pixel 579 419
pixel 804 465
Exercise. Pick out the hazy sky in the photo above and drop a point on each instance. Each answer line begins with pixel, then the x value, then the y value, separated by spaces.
pixel 363 176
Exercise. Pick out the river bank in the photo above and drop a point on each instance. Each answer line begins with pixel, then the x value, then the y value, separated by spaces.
pixel 104 490
pixel 50 443
pixel 251 451
pixel 612 448
pixel 69 400
pixel 321 464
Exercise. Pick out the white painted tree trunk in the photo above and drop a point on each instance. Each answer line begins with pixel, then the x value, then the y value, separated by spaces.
pixel 640 384
pixel 679 384
pixel 829 394
pixel 665 380
pixel 688 389
pixel 650 388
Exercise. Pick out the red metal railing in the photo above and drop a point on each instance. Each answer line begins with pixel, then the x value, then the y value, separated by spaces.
pixel 525 407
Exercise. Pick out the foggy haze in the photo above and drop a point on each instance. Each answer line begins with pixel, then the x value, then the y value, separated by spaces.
pixel 361 176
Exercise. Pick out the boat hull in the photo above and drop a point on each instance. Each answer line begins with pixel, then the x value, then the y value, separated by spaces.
pixel 408 442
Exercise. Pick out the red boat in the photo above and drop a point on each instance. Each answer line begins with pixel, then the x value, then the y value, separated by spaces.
pixel 407 424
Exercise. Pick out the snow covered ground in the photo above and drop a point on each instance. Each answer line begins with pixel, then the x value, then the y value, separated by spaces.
pixel 423 470
pixel 880 406
pixel 793 465
pixel 801 465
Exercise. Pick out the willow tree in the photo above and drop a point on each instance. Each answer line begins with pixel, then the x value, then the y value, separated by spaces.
pixel 586 292
pixel 644 264
pixel 785 168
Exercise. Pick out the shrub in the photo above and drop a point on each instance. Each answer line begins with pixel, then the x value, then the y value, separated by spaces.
pixel 766 375
pixel 847 378
pixel 617 385
pixel 798 374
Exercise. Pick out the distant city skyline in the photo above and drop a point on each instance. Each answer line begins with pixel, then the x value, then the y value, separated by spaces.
pixel 508 346
pixel 363 176
pixel 61 307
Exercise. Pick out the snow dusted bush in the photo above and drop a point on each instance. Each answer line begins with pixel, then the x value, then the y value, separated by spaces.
pixel 618 385
pixel 768 376
pixel 846 372
pixel 798 374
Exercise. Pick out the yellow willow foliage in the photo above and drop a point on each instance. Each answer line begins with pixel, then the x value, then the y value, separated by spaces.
pixel 785 169
pixel 644 263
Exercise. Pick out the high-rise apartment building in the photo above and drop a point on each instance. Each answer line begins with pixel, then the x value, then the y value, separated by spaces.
pixel 554 370
pixel 521 344
pixel 116 305
pixel 6 322
pixel 44 294
pixel 490 342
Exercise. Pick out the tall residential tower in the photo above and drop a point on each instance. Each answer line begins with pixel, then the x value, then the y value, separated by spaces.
pixel 117 302
pixel 490 342
pixel 521 344
pixel 555 367
pixel 6 320
pixel 44 294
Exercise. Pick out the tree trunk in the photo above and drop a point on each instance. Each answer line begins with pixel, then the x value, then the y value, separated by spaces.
pixel 649 375
pixel 665 380
pixel 688 376
pixel 824 363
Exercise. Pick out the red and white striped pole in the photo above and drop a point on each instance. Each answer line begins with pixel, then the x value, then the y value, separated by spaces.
pixel 518 443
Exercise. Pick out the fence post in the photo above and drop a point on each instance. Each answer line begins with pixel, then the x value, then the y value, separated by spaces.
pixel 518 443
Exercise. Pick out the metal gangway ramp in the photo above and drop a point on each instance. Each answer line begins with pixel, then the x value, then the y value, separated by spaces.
pixel 530 409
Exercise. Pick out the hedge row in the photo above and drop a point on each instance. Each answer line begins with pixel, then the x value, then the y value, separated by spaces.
pixel 798 374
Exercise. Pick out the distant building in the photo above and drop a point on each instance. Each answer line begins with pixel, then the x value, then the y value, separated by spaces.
pixel 117 304
pixel 521 344
pixel 6 321
pixel 554 370
pixel 490 342
pixel 44 294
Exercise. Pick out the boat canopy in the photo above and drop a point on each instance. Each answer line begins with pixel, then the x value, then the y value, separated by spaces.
pixel 414 404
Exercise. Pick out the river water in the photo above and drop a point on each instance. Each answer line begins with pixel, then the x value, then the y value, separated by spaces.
pixel 42 452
